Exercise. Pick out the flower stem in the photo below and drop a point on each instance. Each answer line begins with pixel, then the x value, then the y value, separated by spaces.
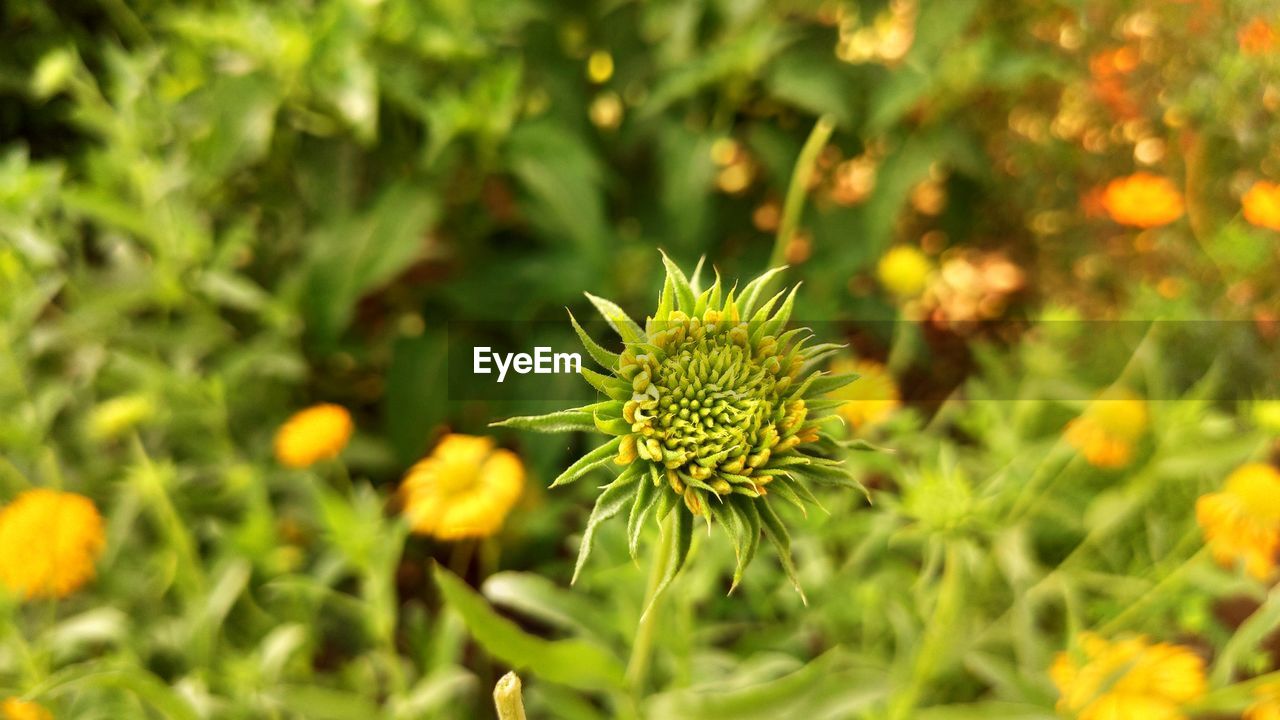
pixel 507 698
pixel 798 188
pixel 642 648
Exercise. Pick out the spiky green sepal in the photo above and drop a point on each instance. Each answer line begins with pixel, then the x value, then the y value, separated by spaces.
pixel 715 410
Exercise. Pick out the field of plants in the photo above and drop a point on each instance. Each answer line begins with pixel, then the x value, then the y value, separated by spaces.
pixel 929 359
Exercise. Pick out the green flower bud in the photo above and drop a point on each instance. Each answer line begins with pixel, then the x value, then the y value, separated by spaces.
pixel 715 420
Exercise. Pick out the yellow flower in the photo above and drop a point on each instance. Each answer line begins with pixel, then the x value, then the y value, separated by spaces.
pixel 1262 205
pixel 1268 705
pixel 1243 521
pixel 904 271
pixel 465 488
pixel 15 709
pixel 1109 428
pixel 869 399
pixel 1266 413
pixel 1129 679
pixel 318 433
pixel 1142 200
pixel 49 541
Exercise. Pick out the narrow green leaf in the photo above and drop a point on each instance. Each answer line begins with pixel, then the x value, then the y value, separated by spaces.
pixel 610 502
pixel 556 422
pixel 684 291
pixel 588 462
pixel 682 526
pixel 646 499
pixel 779 320
pixel 626 328
pixel 575 663
pixel 606 359
pixel 777 533
pixel 754 291
pixel 613 388
pixel 612 426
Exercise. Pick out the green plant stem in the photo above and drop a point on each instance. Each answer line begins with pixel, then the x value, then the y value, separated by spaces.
pixel 1169 582
pixel 507 698
pixel 642 648
pixel 798 188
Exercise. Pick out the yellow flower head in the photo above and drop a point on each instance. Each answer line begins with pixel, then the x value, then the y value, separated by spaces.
pixel 869 399
pixel 1243 521
pixel 1109 428
pixel 1262 205
pixel 465 488
pixel 1130 678
pixel 49 541
pixel 15 709
pixel 318 433
pixel 1267 706
pixel 1142 200
pixel 904 271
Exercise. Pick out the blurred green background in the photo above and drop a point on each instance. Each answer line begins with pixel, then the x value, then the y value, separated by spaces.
pixel 213 214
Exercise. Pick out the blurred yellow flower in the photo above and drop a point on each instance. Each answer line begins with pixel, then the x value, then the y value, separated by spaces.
pixel 904 271
pixel 318 433
pixel 1267 706
pixel 1262 205
pixel 1142 200
pixel 1243 521
pixel 15 709
pixel 1127 679
pixel 1109 428
pixel 465 488
pixel 49 541
pixel 1266 413
pixel 869 399
pixel 600 66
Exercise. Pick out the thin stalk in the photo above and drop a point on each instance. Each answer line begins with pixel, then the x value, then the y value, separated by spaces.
pixel 798 188
pixel 642 648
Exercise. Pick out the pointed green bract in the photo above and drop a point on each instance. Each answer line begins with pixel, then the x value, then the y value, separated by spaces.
pixel 715 408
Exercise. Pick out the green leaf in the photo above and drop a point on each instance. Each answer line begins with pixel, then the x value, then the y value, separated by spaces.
pixel 354 255
pixel 777 533
pixel 323 703
pixel 147 687
pixel 612 426
pixel 612 387
pixel 680 283
pixel 588 462
pixel 830 686
pixel 626 328
pixel 575 663
pixel 682 526
pixel 646 497
pixel 537 597
pixel 555 422
pixel 606 359
pixel 755 290
pixel 616 496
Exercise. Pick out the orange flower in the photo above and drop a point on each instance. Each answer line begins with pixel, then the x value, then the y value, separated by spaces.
pixel 318 433
pixel 871 398
pixel 1262 205
pixel 1142 200
pixel 1130 678
pixel 1267 706
pixel 49 542
pixel 1243 521
pixel 1109 428
pixel 1257 37
pixel 464 489
pixel 15 709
